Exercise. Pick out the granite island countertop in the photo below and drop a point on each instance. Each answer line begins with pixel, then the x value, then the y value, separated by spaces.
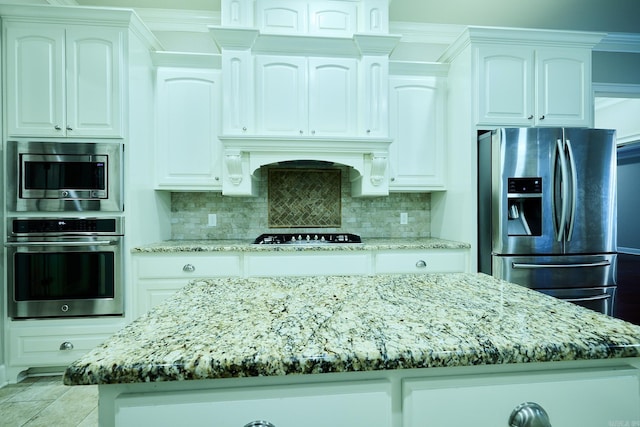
pixel 368 244
pixel 243 327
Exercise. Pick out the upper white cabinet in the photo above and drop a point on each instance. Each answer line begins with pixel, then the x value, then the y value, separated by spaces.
pixel 417 122
pixel 64 81
pixel 315 17
pixel 188 152
pixel 306 96
pixel 526 86
pixel 305 80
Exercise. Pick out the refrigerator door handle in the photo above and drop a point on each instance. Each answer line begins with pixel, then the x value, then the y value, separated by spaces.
pixel 577 265
pixel 594 298
pixel 565 188
pixel 574 189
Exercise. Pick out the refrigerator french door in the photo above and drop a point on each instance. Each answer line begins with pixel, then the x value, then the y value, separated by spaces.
pixel 549 195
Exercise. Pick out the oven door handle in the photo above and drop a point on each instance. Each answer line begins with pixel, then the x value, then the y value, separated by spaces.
pixel 63 243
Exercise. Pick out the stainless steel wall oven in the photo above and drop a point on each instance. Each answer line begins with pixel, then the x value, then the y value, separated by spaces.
pixel 60 176
pixel 64 267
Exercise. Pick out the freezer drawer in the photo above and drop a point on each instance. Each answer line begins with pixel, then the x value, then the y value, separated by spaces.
pixel 557 272
pixel 601 299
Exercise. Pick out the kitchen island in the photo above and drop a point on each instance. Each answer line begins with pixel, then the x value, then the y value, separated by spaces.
pixel 387 350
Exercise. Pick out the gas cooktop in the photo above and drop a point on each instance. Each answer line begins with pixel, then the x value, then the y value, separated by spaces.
pixel 306 239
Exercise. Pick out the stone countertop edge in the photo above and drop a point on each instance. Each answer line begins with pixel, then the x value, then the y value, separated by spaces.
pixel 169 246
pixel 275 326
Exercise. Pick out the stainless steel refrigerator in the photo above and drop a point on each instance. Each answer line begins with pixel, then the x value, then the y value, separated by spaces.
pixel 547 211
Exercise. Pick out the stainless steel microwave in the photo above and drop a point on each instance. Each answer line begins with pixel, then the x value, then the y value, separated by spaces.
pixel 61 176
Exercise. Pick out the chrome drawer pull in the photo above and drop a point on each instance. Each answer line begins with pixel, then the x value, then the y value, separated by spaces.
pixel 529 414
pixel 189 268
pixel 259 424
pixel 66 346
pixel 421 264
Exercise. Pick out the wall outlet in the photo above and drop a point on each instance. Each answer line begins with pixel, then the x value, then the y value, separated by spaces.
pixel 404 218
pixel 212 220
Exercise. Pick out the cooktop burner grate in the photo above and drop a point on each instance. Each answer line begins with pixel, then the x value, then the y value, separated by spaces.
pixel 306 238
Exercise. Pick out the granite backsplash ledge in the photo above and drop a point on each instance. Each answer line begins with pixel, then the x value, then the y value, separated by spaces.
pixel 247 217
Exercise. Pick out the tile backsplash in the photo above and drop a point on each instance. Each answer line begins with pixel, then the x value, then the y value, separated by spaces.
pixel 248 217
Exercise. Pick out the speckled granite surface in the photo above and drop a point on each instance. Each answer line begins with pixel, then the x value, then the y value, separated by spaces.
pixel 248 246
pixel 234 327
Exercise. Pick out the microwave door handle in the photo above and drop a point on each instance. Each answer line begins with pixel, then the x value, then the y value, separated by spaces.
pixel 63 243
pixel 580 265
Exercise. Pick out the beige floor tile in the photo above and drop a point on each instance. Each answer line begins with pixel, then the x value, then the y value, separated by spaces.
pixel 17 414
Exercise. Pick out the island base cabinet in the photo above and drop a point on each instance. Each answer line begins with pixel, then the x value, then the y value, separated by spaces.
pixel 319 405
pixel 593 399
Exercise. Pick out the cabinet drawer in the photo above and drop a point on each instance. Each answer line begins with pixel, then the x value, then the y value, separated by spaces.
pixel 307 264
pixel 55 345
pixel 187 266
pixel 317 405
pixel 449 261
pixel 587 399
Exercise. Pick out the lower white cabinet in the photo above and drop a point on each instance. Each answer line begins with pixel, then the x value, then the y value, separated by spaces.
pixel 158 276
pixel 46 343
pixel 319 405
pixel 307 263
pixel 421 261
pixel 592 393
pixel 586 399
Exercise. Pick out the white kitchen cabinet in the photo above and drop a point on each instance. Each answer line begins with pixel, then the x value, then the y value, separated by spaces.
pixel 417 122
pixel 324 18
pixel 54 342
pixel 366 403
pixel 306 96
pixel 64 81
pixel 586 399
pixel 307 263
pixel 527 86
pixel 188 152
pixel 157 276
pixel 317 18
pixel 421 261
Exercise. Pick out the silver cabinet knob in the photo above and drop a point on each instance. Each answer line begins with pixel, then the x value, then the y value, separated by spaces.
pixel 69 127
pixel 421 263
pixel 66 346
pixel 244 128
pixel 529 414
pixel 56 127
pixel 189 268
pixel 259 424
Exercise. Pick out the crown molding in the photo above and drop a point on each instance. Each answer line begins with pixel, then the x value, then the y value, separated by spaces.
pixel 179 20
pixel 619 42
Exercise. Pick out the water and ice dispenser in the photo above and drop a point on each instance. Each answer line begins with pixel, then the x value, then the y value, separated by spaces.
pixel 524 204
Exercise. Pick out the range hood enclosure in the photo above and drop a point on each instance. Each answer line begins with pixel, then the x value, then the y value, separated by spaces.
pixel 244 155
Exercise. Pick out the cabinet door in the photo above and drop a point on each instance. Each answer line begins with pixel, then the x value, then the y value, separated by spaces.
pixel 35 80
pixel 282 16
pixel 416 125
pixel 332 18
pixel 333 96
pixel 505 85
pixel 373 94
pixel 189 154
pixel 237 69
pixel 94 81
pixel 281 101
pixel 563 92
